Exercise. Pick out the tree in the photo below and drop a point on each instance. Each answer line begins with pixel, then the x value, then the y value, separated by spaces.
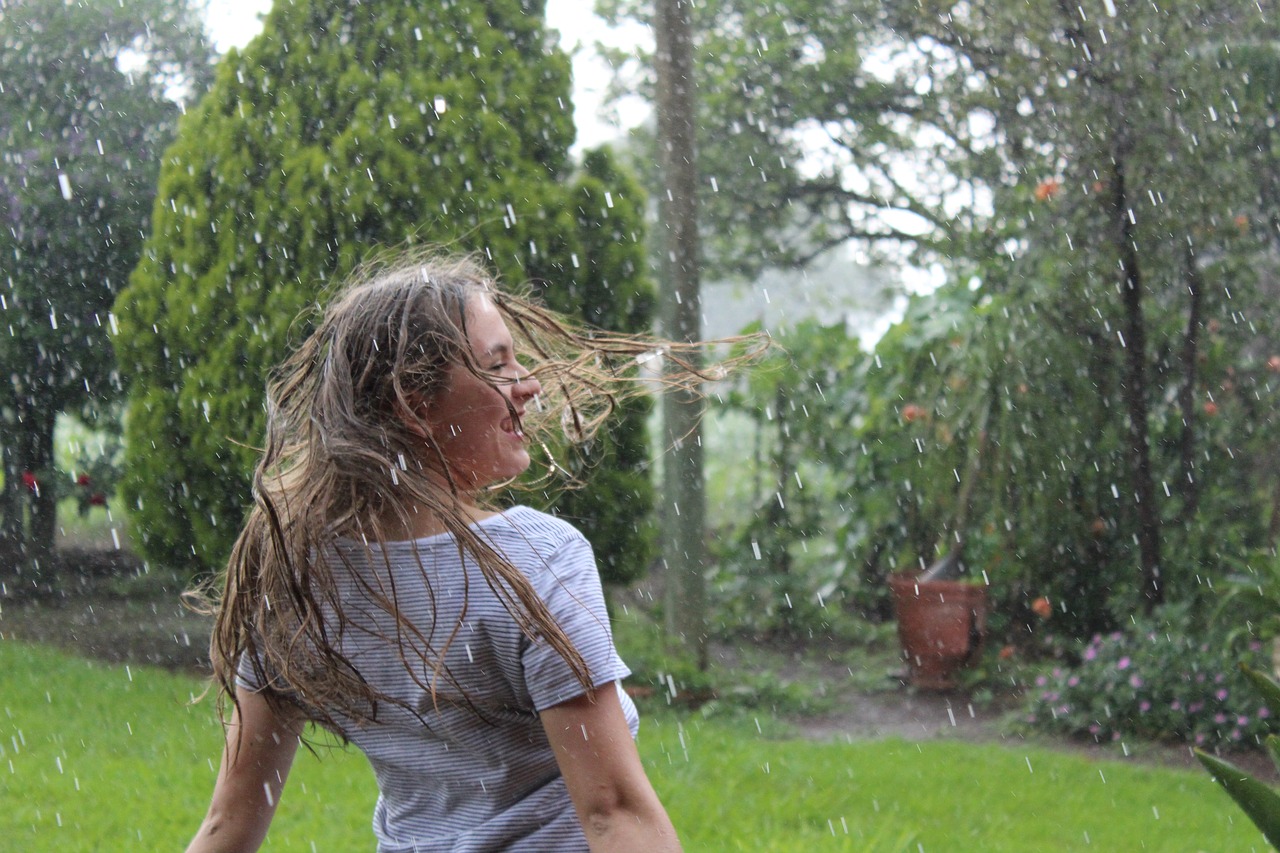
pixel 345 127
pixel 816 138
pixel 614 294
pixel 1096 116
pixel 1107 362
pixel 684 512
pixel 1095 180
pixel 91 94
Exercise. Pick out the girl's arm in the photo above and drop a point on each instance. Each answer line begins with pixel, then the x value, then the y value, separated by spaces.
pixel 616 804
pixel 259 750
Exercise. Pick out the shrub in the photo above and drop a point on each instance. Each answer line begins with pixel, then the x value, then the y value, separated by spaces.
pixel 1159 680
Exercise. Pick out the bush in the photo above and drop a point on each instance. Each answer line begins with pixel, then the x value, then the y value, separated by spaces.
pixel 1158 680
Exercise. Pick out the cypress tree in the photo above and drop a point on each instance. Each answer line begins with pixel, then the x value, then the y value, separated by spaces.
pixel 344 127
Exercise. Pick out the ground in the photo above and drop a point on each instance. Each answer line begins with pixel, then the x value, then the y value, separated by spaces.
pixel 106 605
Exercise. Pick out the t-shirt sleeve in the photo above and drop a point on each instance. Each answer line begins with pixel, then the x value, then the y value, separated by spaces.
pixel 246 677
pixel 570 585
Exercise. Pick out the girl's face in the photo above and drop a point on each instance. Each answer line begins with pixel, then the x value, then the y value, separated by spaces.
pixel 470 419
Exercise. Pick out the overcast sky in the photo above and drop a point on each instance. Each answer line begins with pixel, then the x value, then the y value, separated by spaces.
pixel 232 23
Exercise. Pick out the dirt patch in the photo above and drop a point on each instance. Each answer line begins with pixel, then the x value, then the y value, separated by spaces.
pixel 104 605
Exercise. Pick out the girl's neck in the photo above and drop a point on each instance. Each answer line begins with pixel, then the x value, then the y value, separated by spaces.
pixel 422 523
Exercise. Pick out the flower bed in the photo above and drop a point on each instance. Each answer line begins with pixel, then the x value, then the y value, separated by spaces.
pixel 1156 681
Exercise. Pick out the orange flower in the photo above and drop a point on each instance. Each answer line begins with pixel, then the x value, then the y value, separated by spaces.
pixel 912 412
pixel 1047 188
pixel 1007 652
pixel 1210 408
pixel 1042 608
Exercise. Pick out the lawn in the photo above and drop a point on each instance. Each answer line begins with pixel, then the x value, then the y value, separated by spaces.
pixel 98 757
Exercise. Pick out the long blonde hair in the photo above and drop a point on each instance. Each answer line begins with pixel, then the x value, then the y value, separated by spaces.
pixel 334 467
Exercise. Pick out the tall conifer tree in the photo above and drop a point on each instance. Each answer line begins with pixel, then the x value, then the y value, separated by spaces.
pixel 345 127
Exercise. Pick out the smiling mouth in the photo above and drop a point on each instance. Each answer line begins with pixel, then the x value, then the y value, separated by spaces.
pixel 510 427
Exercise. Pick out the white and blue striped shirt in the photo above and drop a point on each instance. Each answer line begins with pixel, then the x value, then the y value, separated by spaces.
pixel 479 776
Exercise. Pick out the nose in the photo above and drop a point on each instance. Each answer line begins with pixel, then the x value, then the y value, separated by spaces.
pixel 527 385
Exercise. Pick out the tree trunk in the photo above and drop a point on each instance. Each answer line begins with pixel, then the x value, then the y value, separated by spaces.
pixel 1189 484
pixel 12 496
pixel 44 508
pixel 684 514
pixel 1135 387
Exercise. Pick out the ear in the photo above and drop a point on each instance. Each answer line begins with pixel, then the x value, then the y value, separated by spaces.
pixel 416 417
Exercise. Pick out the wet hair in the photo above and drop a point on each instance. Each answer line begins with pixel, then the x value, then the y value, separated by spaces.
pixel 344 461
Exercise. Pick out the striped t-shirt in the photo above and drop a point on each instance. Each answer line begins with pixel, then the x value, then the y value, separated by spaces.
pixel 478 778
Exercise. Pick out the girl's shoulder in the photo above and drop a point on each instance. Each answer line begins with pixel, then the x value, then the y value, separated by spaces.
pixel 537 528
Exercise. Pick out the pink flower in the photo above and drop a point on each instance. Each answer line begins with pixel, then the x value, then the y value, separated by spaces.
pixel 1135 681
pixel 1175 705
pixel 1090 653
pixel 1123 663
pixel 1221 695
pixel 1144 706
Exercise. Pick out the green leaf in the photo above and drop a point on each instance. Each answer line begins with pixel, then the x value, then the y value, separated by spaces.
pixel 1266 685
pixel 1257 800
pixel 1273 749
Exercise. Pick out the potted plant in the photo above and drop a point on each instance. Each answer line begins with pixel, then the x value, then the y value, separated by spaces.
pixel 942 623
pixel 942 612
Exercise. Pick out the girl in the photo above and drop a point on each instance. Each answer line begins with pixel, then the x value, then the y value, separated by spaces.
pixel 465 650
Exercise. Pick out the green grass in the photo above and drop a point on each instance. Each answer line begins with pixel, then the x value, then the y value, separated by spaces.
pixel 96 757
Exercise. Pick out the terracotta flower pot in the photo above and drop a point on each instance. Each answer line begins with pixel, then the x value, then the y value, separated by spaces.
pixel 941 625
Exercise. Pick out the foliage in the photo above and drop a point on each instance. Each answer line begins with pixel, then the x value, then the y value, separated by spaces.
pixel 346 128
pixel 726 785
pixel 1249 599
pixel 1159 680
pixel 92 93
pixel 1082 447
pixel 616 507
pixel 775 565
pixel 1118 260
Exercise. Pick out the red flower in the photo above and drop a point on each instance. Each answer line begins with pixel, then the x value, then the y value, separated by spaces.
pixel 82 480
pixel 1047 188
pixel 1210 408
pixel 912 412
pixel 29 480
pixel 97 499
pixel 1042 608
